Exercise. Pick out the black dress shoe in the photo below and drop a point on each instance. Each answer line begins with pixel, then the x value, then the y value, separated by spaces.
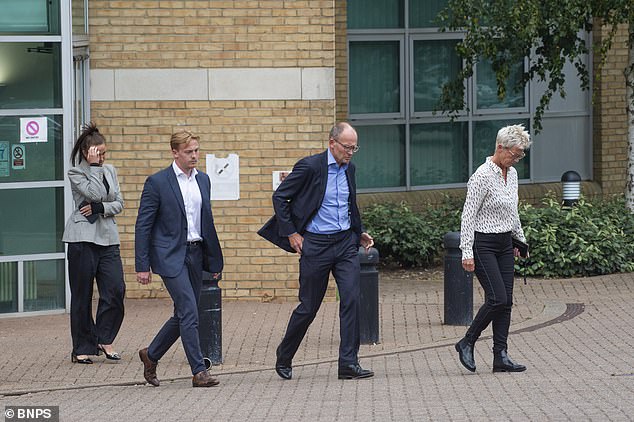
pixel 111 356
pixel 285 371
pixel 353 372
pixel 283 366
pixel 465 352
pixel 75 359
pixel 503 363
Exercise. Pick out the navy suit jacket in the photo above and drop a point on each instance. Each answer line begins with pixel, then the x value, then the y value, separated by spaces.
pixel 161 226
pixel 299 197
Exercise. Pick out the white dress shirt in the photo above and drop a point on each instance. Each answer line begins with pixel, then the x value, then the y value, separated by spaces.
pixel 192 199
pixel 490 206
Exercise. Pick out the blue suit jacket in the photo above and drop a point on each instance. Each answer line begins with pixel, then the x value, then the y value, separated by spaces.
pixel 161 226
pixel 299 197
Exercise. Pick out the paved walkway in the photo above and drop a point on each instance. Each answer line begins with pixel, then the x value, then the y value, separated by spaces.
pixel 574 335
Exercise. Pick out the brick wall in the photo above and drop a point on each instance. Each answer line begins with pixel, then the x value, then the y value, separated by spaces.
pixel 610 118
pixel 267 135
pixel 211 34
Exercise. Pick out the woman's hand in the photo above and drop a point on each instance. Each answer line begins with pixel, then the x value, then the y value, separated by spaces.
pixel 468 265
pixel 93 155
pixel 86 210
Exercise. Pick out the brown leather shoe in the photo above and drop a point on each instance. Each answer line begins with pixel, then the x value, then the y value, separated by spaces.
pixel 149 368
pixel 203 379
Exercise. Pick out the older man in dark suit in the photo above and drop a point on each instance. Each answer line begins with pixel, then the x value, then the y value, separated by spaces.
pixel 316 215
pixel 175 237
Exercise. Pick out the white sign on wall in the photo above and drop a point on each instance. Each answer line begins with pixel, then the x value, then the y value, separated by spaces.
pixel 225 177
pixel 278 177
pixel 33 129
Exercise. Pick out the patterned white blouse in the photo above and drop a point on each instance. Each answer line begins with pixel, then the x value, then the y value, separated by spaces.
pixel 490 206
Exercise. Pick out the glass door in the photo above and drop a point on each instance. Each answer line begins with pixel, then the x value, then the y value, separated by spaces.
pixel 32 138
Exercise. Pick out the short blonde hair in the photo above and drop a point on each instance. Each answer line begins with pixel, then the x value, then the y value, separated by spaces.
pixel 513 136
pixel 182 137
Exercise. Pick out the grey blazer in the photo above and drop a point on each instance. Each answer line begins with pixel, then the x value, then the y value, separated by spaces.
pixel 86 183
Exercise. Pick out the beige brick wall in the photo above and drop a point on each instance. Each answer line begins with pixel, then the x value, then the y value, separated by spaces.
pixel 211 34
pixel 610 118
pixel 267 135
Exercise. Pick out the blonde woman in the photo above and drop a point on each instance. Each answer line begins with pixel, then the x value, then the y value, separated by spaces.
pixel 490 221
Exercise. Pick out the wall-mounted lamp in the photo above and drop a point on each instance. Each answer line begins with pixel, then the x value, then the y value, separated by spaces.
pixel 571 187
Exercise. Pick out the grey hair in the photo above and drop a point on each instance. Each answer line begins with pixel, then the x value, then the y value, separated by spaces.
pixel 513 136
pixel 338 128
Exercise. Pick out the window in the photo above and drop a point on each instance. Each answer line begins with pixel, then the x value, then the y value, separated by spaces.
pixel 398 63
pixel 32 274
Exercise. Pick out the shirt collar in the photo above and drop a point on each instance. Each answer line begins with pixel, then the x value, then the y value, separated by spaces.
pixel 178 171
pixel 331 161
pixel 494 167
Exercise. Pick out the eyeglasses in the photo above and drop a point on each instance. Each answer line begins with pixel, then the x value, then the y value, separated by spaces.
pixel 516 156
pixel 348 148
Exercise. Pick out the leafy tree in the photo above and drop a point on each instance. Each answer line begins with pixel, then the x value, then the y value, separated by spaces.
pixel 549 33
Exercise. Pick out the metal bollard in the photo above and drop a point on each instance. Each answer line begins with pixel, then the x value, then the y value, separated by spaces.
pixel 369 296
pixel 458 284
pixel 210 320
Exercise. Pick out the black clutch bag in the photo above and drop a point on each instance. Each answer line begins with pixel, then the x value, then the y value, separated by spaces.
pixel 92 217
pixel 521 246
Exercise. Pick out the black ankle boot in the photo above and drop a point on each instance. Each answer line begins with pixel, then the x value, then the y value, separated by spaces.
pixel 465 351
pixel 503 363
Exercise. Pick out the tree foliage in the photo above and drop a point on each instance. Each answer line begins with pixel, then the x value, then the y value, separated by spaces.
pixel 548 32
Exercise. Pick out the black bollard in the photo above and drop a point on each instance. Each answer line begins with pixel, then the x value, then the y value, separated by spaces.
pixel 458 284
pixel 369 296
pixel 210 320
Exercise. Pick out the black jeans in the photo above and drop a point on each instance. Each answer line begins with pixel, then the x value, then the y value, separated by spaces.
pixel 494 267
pixel 88 262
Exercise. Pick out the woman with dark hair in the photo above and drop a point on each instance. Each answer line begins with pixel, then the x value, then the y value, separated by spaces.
pixel 93 249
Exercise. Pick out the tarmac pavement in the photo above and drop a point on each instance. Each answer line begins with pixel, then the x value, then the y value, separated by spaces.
pixel 574 335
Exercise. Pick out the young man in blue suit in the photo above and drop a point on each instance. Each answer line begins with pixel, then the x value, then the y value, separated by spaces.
pixel 175 238
pixel 316 216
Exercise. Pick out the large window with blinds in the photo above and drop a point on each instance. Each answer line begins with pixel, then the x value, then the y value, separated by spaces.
pixel 397 64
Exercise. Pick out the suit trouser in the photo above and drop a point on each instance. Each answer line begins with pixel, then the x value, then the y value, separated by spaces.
pixel 87 262
pixel 322 254
pixel 185 292
pixel 494 267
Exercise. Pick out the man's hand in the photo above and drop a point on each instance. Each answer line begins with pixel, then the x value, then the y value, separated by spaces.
pixel 366 241
pixel 468 265
pixel 144 277
pixel 297 241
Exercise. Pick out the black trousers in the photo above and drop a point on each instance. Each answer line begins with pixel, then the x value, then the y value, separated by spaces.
pixel 322 254
pixel 494 267
pixel 185 292
pixel 88 262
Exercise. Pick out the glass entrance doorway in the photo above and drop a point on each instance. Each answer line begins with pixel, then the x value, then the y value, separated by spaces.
pixel 32 149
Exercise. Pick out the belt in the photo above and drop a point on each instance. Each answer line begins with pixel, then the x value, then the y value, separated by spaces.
pixel 195 243
pixel 332 236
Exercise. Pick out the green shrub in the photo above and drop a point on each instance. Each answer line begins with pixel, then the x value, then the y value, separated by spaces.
pixel 590 238
pixel 406 238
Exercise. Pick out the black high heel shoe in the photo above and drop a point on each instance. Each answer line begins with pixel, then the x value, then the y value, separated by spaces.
pixel 111 356
pixel 75 359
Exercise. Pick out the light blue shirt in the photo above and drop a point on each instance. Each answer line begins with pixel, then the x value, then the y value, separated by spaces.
pixel 333 215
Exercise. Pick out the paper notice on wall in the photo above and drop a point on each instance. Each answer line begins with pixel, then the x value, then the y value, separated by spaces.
pixel 278 177
pixel 225 177
pixel 33 129
pixel 4 158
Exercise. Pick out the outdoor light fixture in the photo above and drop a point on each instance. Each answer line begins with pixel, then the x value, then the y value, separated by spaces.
pixel 571 186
